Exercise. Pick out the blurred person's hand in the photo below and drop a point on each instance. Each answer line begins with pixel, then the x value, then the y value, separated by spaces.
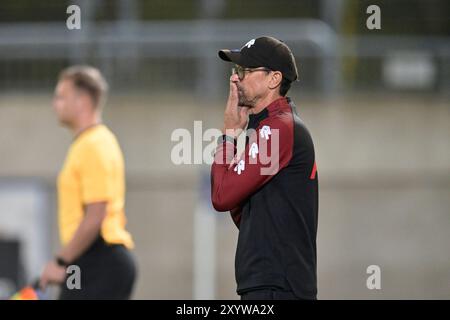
pixel 235 116
pixel 52 274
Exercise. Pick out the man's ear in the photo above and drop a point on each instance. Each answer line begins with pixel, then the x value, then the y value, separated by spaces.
pixel 275 80
pixel 84 99
pixel 79 100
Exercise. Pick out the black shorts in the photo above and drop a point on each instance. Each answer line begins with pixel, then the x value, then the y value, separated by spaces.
pixel 107 272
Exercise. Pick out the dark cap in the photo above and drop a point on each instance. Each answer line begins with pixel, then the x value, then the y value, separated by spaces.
pixel 264 52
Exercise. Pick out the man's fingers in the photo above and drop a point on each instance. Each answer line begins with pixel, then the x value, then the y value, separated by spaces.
pixel 244 111
pixel 243 116
pixel 43 283
pixel 232 103
pixel 233 92
pixel 235 117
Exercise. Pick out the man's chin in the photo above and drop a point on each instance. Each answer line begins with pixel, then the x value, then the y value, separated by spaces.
pixel 245 106
pixel 63 123
pixel 244 103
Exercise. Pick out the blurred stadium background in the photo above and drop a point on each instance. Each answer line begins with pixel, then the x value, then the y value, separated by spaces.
pixel 376 102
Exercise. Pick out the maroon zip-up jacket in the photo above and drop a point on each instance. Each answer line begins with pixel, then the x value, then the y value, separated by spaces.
pixel 271 191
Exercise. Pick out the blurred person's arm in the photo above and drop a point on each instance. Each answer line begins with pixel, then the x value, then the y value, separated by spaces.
pixel 96 192
pixel 86 234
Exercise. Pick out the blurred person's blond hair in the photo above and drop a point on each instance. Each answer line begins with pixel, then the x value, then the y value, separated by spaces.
pixel 89 80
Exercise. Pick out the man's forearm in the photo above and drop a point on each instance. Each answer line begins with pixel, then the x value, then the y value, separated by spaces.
pixel 83 238
pixel 87 232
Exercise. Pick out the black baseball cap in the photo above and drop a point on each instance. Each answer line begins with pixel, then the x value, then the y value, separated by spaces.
pixel 264 52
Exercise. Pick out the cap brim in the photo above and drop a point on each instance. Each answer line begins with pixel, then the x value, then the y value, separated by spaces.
pixel 230 55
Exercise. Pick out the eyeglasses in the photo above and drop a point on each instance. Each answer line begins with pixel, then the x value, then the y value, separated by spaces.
pixel 241 71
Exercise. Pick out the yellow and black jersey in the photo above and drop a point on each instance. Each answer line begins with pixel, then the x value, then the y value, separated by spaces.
pixel 93 172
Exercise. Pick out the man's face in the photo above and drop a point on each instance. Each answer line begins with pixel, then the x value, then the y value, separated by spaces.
pixel 66 102
pixel 252 87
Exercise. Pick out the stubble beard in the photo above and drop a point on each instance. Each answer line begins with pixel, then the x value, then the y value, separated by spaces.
pixel 243 99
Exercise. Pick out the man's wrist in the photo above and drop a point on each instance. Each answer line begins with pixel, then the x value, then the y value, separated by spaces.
pixel 61 262
pixel 223 138
pixel 234 133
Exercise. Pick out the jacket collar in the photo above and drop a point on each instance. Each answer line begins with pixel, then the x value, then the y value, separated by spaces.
pixel 280 104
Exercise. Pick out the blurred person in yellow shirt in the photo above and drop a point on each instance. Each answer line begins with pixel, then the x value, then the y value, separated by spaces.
pixel 91 195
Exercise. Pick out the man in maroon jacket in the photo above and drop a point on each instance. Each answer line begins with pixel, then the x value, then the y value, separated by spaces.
pixel 271 189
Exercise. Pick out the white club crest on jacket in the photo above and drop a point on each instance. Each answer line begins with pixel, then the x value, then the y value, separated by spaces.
pixel 265 132
pixel 240 167
pixel 254 150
